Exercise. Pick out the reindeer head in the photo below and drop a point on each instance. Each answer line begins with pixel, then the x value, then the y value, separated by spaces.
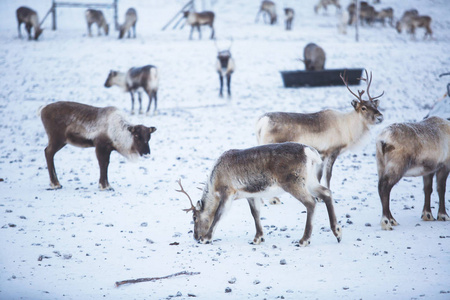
pixel 141 138
pixel 202 220
pixel 110 80
pixel 368 109
pixel 37 33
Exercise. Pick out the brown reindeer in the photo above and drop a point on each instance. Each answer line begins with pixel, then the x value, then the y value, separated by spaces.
pixel 88 126
pixel 289 17
pixel 386 13
pixel 313 57
pixel 269 8
pixel 30 18
pixel 261 171
pixel 411 22
pixel 198 19
pixel 130 22
pixel 144 78
pixel 414 149
pixel 225 67
pixel 97 17
pixel 330 132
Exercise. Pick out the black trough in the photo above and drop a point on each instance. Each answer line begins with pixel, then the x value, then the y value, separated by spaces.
pixel 320 78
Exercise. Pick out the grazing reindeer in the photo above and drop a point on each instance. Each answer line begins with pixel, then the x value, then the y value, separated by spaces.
pixel 30 18
pixel 289 16
pixel 325 3
pixel 249 173
pixel 97 17
pixel 414 149
pixel 130 21
pixel 386 13
pixel 197 19
pixel 412 22
pixel 135 80
pixel 313 57
pixel 330 132
pixel 225 67
pixel 267 7
pixel 88 126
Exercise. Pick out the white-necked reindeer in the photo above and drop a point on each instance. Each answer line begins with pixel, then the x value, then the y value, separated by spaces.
pixel 414 149
pixel 261 171
pixel 329 131
pixel 225 66
pixel 269 8
pixel 199 19
pixel 97 17
pixel 130 22
pixel 411 20
pixel 137 79
pixel 30 18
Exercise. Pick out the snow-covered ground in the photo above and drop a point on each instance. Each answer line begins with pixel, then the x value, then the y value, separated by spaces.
pixel 87 240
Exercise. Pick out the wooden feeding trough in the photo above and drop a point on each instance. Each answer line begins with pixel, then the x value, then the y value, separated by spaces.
pixel 320 78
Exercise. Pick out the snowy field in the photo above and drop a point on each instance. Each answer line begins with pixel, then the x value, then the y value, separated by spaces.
pixel 75 243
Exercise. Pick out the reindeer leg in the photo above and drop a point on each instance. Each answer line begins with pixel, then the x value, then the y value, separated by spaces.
pixel 325 194
pixel 385 185
pixel 50 152
pixel 427 189
pixel 134 30
pixel 140 102
pixel 149 94
pixel 132 102
pixel 18 28
pixel 254 208
pixel 103 154
pixel 155 96
pixel 212 32
pixel 199 32
pixel 221 84
pixel 229 85
pixel 28 28
pixel 89 29
pixel 192 30
pixel 329 165
pixel 441 179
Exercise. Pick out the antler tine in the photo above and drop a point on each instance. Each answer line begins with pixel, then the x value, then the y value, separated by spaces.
pixel 345 80
pixel 181 190
pixel 369 82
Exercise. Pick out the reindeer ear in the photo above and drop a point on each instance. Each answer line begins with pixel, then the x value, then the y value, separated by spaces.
pixel 152 129
pixel 131 129
pixel 376 102
pixel 355 104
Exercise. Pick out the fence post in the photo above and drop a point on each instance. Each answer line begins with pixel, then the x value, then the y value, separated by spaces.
pixel 116 23
pixel 53 15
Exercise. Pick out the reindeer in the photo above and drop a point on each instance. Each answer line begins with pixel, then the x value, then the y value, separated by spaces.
pixel 330 132
pixel 414 149
pixel 130 21
pixel 225 67
pixel 325 3
pixel 313 57
pixel 88 126
pixel 135 80
pixel 97 17
pixel 260 171
pixel 386 13
pixel 30 18
pixel 410 23
pixel 267 7
pixel 289 16
pixel 197 19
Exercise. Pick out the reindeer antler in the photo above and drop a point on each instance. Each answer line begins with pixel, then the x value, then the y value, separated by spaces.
pixel 184 192
pixel 369 82
pixel 345 80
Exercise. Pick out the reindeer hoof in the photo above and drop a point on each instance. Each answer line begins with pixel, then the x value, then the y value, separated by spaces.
pixel 275 201
pixel 443 217
pixel 304 243
pixel 387 224
pixel 257 240
pixel 106 188
pixel 427 216
pixel 338 233
pixel 55 186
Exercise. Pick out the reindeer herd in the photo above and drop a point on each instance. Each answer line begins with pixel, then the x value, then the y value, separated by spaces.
pixel 295 151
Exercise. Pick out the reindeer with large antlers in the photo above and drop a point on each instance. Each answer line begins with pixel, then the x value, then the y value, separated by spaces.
pixel 330 132
pixel 261 171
